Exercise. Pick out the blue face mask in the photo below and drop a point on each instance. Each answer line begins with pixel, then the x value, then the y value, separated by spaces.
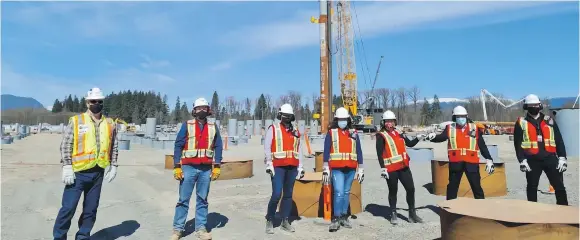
pixel 342 124
pixel 461 121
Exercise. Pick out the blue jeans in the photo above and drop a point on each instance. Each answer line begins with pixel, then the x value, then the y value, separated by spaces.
pixel 200 177
pixel 88 182
pixel 283 180
pixel 341 183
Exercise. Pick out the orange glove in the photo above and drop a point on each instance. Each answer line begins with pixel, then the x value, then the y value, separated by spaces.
pixel 215 173
pixel 178 174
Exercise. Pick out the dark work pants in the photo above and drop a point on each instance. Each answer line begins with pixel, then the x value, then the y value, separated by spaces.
pixel 88 182
pixel 549 166
pixel 283 181
pixel 404 175
pixel 471 170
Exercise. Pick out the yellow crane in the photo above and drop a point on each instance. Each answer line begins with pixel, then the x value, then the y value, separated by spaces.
pixel 345 58
pixel 129 128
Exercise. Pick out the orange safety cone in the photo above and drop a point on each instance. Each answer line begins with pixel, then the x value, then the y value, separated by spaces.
pixel 551 189
pixel 327 201
pixel 226 145
pixel 307 143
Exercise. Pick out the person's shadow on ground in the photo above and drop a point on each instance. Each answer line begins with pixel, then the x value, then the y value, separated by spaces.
pixel 214 220
pixel 125 229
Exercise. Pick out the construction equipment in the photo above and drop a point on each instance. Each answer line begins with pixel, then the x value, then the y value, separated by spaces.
pixel 325 64
pixel 482 98
pixel 364 121
pixel 130 128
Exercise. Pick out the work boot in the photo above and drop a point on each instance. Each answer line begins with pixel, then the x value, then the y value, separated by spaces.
pixel 176 235
pixel 345 222
pixel 269 227
pixel 286 225
pixel 394 218
pixel 413 216
pixel 334 224
pixel 203 234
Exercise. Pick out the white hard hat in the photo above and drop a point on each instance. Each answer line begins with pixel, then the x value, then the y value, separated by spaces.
pixel 287 108
pixel 95 94
pixel 459 110
pixel 341 113
pixel 531 99
pixel 389 115
pixel 200 102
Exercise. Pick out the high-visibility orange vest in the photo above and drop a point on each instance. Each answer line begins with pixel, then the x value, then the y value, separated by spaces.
pixel 285 151
pixel 461 147
pixel 199 146
pixel 395 152
pixel 530 137
pixel 342 149
pixel 85 155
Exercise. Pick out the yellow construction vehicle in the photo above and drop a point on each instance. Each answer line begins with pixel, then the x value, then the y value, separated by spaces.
pixel 129 128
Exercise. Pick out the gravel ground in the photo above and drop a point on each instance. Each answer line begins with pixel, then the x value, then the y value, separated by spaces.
pixel 139 203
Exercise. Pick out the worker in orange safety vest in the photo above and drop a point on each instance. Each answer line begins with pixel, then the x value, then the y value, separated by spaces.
pixel 283 158
pixel 394 161
pixel 464 141
pixel 342 157
pixel 540 148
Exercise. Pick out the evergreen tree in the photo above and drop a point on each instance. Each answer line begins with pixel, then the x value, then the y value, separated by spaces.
pixel 135 116
pixel 56 106
pixel 435 111
pixel 425 112
pixel 215 105
pixel 176 111
pixel 261 108
pixel 76 104
pixel 83 105
pixel 184 112
pixel 165 110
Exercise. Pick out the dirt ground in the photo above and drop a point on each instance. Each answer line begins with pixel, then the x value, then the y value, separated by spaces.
pixel 140 202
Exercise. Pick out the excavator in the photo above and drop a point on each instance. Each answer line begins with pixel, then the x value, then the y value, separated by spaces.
pixel 130 128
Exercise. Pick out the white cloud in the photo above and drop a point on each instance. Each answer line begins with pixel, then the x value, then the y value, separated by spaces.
pixel 221 66
pixel 374 19
pixel 150 63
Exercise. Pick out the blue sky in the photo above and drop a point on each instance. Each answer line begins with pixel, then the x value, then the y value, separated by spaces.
pixel 242 49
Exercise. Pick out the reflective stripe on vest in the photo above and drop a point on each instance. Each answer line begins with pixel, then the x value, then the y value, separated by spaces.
pixel 453 140
pixel 530 141
pixel 192 150
pixel 85 155
pixel 279 151
pixel 339 154
pixel 393 152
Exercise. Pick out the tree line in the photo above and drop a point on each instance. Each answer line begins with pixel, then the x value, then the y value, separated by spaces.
pixel 135 106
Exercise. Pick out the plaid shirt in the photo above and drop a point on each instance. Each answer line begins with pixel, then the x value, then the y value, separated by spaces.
pixel 66 146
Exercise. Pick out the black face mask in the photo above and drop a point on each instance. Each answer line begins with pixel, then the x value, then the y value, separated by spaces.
pixel 201 115
pixel 533 111
pixel 96 108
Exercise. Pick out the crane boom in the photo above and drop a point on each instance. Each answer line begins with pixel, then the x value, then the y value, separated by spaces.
pixel 482 97
pixel 345 57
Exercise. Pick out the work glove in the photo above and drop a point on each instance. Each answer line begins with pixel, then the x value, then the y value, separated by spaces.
pixel 300 172
pixel 110 173
pixel 360 176
pixel 430 136
pixel 325 174
pixel 421 137
pixel 524 167
pixel 68 175
pixel 270 169
pixel 178 173
pixel 562 165
pixel 489 167
pixel 215 173
pixel 385 174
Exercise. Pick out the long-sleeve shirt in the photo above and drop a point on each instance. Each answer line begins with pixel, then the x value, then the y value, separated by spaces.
pixel 518 137
pixel 442 137
pixel 66 146
pixel 328 145
pixel 181 140
pixel 268 147
pixel 381 146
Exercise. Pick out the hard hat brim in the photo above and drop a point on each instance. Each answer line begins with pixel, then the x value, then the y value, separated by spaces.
pixel 95 98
